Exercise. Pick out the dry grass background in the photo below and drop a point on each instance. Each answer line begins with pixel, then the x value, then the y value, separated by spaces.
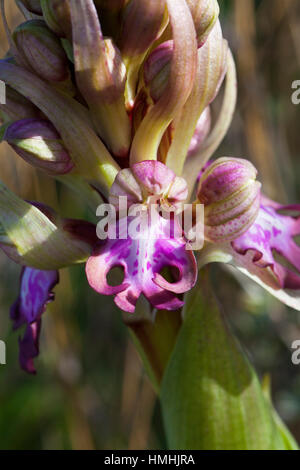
pixel 91 391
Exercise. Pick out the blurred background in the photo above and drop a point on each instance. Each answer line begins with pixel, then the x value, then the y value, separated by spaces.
pixel 91 391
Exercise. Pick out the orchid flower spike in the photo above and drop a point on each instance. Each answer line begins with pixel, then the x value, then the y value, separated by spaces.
pixel 114 99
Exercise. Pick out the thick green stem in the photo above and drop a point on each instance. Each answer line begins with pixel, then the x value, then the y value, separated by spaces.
pixel 155 341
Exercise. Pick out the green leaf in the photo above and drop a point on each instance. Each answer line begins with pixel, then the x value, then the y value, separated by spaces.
pixel 211 397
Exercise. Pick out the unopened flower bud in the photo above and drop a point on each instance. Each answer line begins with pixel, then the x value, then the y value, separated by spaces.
pixel 231 197
pixel 39 144
pixel 34 6
pixel 17 107
pixel 42 51
pixel 57 15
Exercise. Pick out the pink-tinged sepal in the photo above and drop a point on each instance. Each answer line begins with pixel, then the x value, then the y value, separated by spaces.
pixel 156 179
pixel 142 260
pixel 271 234
pixel 35 293
pixel 146 180
pixel 201 132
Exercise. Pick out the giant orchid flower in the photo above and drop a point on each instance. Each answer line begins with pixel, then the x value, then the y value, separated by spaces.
pixel 136 124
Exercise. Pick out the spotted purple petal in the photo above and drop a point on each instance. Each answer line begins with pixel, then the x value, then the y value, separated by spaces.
pixel 157 244
pixel 142 260
pixel 273 234
pixel 35 293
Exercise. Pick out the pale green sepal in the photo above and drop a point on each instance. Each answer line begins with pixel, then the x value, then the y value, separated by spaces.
pixel 211 397
pixel 289 441
pixel 36 241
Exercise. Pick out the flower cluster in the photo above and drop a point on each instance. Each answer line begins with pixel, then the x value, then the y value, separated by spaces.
pixel 113 98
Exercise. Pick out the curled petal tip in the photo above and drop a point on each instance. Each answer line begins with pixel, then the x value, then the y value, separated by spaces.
pixel 205 14
pixel 181 79
pixel 35 293
pixel 141 25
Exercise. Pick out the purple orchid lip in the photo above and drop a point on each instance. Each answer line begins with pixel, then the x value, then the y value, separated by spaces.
pixel 160 243
pixel 35 293
pixel 142 261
